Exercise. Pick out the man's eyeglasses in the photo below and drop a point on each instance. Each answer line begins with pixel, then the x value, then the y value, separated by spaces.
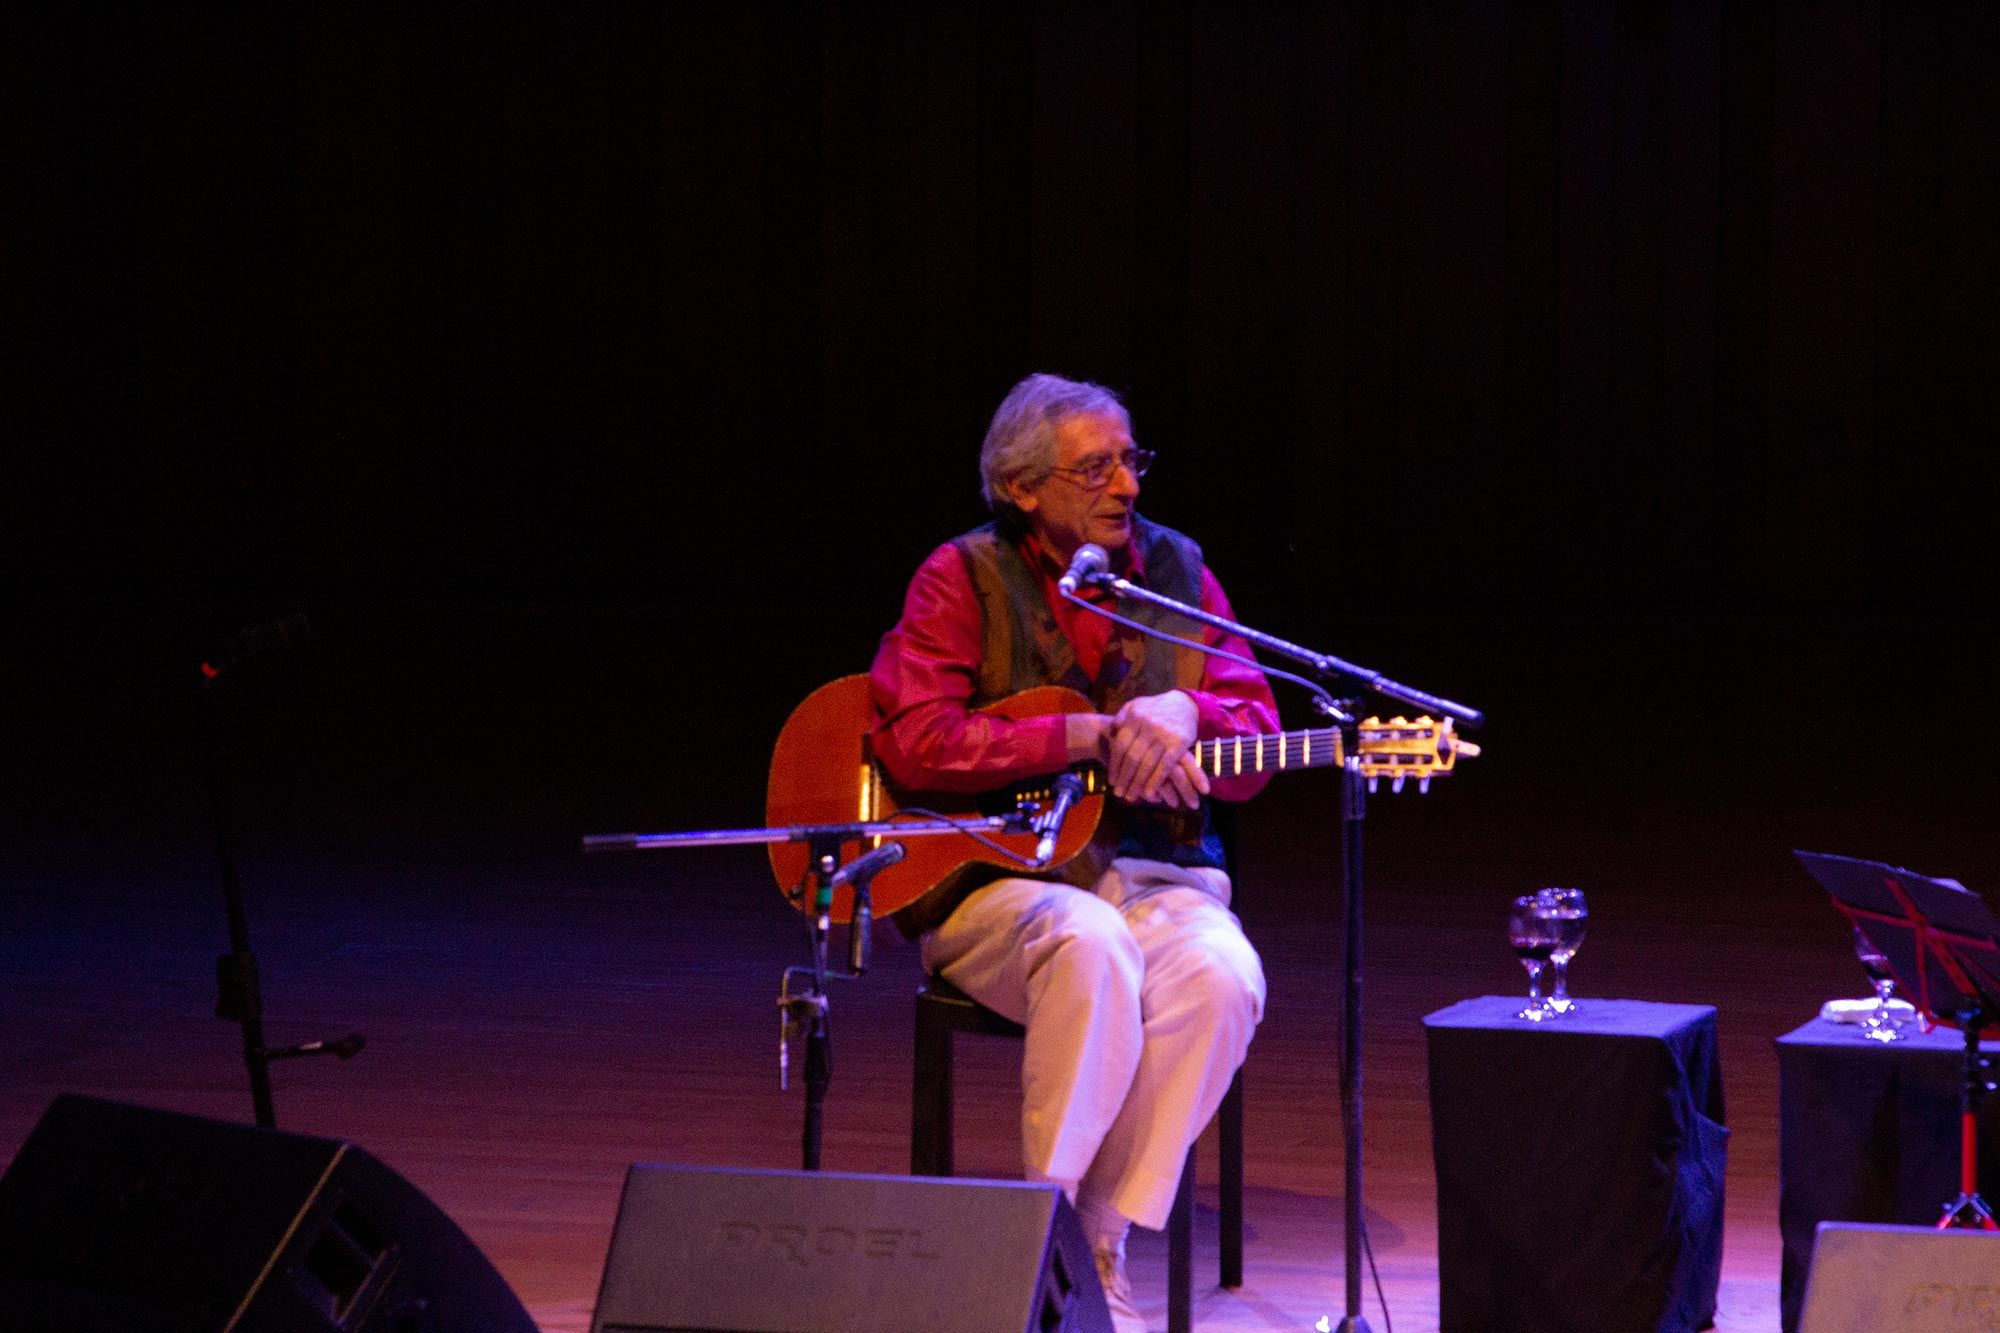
pixel 1096 474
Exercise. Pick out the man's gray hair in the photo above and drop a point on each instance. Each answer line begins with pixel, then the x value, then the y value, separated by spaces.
pixel 1022 438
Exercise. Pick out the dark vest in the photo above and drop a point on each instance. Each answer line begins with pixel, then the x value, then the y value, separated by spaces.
pixel 1022 647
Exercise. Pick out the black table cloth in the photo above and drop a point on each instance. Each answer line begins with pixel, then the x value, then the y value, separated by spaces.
pixel 1868 1132
pixel 1579 1166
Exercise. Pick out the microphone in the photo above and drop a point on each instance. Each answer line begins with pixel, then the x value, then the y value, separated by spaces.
pixel 1069 790
pixel 864 868
pixel 1088 565
pixel 858 873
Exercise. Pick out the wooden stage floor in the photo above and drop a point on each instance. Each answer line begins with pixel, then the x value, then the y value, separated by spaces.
pixel 536 1025
pixel 537 1020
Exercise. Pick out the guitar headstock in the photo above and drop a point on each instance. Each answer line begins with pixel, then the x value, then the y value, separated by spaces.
pixel 1404 748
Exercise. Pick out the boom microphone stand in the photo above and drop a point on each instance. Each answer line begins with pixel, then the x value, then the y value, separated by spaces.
pixel 1353 810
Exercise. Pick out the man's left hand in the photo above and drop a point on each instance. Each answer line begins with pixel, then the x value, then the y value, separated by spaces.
pixel 1151 759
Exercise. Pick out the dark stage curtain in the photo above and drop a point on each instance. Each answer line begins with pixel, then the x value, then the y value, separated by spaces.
pixel 1524 307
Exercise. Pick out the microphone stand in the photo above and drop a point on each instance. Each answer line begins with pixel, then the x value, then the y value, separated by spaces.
pixel 807 1014
pixel 1353 811
pixel 804 1013
pixel 1324 665
pixel 238 994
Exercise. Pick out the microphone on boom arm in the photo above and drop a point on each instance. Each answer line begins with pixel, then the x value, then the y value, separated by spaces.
pixel 1088 565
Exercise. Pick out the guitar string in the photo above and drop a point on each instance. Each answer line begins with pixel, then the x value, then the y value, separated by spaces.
pixel 1305 738
pixel 1324 736
pixel 1219 752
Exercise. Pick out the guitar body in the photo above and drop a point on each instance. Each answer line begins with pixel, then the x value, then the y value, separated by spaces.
pixel 824 772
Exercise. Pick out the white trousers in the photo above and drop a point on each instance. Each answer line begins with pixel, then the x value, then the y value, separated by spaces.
pixel 1139 997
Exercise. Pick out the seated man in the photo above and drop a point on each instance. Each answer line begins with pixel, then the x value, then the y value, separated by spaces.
pixel 1133 978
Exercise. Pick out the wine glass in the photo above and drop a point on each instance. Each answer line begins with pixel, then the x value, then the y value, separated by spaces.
pixel 1877 1027
pixel 1571 915
pixel 1534 939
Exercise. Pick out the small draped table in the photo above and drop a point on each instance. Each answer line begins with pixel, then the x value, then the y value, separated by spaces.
pixel 1579 1166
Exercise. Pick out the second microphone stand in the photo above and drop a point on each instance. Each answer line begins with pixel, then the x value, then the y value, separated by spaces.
pixel 805 1015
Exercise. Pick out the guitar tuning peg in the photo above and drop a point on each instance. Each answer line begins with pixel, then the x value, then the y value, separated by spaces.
pixel 1423 786
pixel 1396 785
pixel 1374 785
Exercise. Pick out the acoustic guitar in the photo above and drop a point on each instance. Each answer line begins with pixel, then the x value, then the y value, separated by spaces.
pixel 824 772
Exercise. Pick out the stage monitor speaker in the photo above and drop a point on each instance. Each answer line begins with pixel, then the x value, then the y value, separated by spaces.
pixel 722 1250
pixel 117 1217
pixel 1884 1279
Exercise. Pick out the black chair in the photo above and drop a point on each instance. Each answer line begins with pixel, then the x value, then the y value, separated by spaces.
pixel 943 1011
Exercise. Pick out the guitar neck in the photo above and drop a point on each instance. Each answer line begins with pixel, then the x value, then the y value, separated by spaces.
pixel 1399 748
pixel 1231 756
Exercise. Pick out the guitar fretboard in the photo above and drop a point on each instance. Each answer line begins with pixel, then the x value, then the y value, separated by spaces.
pixel 1398 748
pixel 1233 755
pixel 1228 756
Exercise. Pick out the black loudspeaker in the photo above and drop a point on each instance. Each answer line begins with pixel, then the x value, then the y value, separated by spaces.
pixel 720 1250
pixel 121 1219
pixel 1883 1279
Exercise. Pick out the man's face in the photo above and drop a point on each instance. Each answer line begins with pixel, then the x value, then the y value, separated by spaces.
pixel 1062 511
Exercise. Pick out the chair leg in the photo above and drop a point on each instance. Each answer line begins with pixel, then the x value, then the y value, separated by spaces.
pixel 1180 1252
pixel 930 1101
pixel 1230 1135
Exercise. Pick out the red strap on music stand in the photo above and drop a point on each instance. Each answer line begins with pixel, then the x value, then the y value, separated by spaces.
pixel 1931 942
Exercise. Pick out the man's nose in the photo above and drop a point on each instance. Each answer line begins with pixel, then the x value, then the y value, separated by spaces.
pixel 1124 481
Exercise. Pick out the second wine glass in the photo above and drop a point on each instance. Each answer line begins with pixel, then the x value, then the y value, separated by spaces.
pixel 1570 915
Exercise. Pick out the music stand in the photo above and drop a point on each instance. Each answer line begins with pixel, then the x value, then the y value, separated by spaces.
pixel 1940 933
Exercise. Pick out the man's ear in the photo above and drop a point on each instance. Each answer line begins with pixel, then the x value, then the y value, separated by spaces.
pixel 1021 495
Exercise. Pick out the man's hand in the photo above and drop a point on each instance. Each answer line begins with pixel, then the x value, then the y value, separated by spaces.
pixel 1087 737
pixel 1150 760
